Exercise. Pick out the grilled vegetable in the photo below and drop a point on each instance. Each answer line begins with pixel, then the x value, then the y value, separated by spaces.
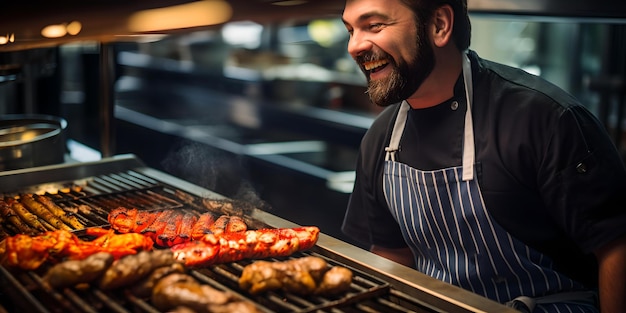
pixel 252 244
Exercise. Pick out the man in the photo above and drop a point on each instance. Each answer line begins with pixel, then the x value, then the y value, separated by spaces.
pixel 479 174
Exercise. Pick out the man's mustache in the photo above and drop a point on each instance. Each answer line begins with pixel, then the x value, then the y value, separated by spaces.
pixel 370 56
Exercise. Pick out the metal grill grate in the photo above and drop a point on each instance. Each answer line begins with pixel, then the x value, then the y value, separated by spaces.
pixel 92 198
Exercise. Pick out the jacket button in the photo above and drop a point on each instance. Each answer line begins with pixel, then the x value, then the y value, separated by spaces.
pixel 454 105
pixel 581 168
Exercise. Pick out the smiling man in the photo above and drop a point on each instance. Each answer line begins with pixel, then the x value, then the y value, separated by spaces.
pixel 479 174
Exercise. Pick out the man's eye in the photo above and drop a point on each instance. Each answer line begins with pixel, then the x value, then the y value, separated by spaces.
pixel 375 26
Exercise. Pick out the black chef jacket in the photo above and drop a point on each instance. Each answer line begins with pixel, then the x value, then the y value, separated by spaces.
pixel 548 171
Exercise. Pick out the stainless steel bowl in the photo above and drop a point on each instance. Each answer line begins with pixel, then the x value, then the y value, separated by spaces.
pixel 31 140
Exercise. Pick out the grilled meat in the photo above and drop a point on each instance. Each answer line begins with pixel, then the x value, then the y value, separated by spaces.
pixel 220 225
pixel 228 224
pixel 297 275
pixel 73 272
pixel 252 244
pixel 185 230
pixel 9 215
pixel 181 290
pixel 132 268
pixel 68 219
pixel 171 227
pixel 168 235
pixel 143 289
pixel 335 281
pixel 228 206
pixel 235 224
pixel 306 276
pixel 42 212
pixel 202 226
pixel 29 252
pixel 118 244
pixel 159 224
pixel 28 217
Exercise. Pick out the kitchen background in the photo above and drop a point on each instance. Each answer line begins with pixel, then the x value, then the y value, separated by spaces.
pixel 272 112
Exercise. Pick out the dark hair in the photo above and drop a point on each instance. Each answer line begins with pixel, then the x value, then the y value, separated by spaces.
pixel 461 33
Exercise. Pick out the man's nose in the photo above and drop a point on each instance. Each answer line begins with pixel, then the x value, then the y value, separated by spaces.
pixel 358 44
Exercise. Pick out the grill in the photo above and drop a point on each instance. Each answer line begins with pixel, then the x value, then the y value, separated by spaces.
pixel 95 188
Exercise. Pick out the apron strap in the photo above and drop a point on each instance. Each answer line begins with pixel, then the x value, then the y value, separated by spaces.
pixel 468 141
pixel 469 156
pixel 396 134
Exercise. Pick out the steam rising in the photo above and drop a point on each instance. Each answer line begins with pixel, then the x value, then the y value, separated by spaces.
pixel 220 172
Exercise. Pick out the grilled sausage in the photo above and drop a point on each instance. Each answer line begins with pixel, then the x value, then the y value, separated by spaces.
pixel 132 268
pixel 307 276
pixel 73 272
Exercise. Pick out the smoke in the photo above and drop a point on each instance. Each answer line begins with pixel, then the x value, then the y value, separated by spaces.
pixel 221 172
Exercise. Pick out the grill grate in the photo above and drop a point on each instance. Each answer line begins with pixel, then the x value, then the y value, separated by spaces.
pixel 92 198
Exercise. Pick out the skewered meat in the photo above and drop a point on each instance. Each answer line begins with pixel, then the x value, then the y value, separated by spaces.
pixel 143 289
pixel 171 227
pixel 181 290
pixel 252 244
pixel 306 276
pixel 133 268
pixel 7 212
pixel 28 217
pixel 42 212
pixel 73 272
pixel 68 219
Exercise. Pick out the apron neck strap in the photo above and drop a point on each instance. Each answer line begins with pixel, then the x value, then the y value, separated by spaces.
pixel 468 140
pixel 396 133
pixel 469 156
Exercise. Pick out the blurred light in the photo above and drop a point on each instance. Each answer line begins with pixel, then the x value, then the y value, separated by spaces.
pixel 74 28
pixel 326 32
pixel 289 2
pixel 54 31
pixel 246 34
pixel 195 14
pixel 6 39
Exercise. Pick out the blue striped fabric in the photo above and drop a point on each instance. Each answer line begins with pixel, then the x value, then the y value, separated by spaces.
pixel 454 239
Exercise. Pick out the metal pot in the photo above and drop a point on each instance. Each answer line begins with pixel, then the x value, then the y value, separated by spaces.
pixel 31 140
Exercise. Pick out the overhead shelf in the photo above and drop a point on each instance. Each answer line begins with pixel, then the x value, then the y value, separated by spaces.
pixel 22 21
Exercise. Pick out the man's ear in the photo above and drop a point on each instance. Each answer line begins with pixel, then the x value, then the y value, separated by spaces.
pixel 443 22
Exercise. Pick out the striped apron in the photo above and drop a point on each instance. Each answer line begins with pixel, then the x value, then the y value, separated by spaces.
pixel 453 237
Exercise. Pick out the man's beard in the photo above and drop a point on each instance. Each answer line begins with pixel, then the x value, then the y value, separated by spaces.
pixel 405 78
